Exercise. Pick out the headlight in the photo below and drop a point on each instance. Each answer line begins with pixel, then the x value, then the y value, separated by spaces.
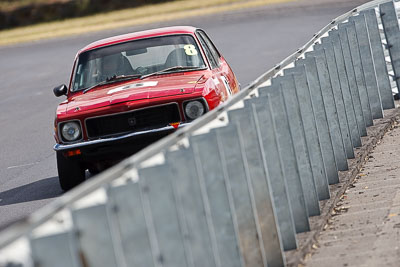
pixel 71 131
pixel 194 109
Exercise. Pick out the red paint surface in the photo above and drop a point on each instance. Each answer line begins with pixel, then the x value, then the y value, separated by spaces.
pixel 177 87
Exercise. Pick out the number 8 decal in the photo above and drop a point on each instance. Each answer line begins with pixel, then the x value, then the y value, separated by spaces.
pixel 190 50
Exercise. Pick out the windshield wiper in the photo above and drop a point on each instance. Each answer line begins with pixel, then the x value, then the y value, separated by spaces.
pixel 112 79
pixel 170 70
pixel 123 77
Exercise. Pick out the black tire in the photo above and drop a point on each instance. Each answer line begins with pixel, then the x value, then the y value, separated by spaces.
pixel 93 171
pixel 70 172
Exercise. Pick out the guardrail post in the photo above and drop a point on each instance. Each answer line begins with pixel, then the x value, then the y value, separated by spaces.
pixel 127 205
pixel 355 96
pixel 93 235
pixel 344 84
pixel 310 130
pixel 276 141
pixel 266 179
pixel 162 216
pixel 368 65
pixel 248 225
pixel 295 136
pixel 392 34
pixel 338 97
pixel 195 214
pixel 366 96
pixel 213 177
pixel 259 232
pixel 54 250
pixel 320 118
pixel 331 111
pixel 382 77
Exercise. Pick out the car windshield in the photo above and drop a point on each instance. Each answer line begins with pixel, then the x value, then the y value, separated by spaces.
pixel 136 58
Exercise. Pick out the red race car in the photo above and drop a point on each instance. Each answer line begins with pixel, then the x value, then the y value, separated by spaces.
pixel 128 91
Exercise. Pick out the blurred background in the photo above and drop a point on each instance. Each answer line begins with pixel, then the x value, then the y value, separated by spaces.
pixel 26 12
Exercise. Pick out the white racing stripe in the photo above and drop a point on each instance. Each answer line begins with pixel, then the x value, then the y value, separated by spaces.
pixel 134 85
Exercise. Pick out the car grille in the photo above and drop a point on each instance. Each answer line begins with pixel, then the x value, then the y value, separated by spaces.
pixel 137 120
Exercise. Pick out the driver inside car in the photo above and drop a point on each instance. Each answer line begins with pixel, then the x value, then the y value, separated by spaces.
pixel 115 65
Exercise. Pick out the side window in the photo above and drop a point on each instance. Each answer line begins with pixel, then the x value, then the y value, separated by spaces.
pixel 212 47
pixel 208 52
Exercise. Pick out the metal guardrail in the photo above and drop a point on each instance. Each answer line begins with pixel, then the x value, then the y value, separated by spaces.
pixel 234 187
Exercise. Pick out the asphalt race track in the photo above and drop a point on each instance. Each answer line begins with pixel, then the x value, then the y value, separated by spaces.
pixel 252 41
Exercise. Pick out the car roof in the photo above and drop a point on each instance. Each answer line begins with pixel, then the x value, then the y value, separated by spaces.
pixel 139 35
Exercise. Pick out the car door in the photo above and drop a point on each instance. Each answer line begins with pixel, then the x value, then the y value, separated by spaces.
pixel 222 69
pixel 218 77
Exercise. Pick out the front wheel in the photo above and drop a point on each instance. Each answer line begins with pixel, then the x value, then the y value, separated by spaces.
pixel 70 172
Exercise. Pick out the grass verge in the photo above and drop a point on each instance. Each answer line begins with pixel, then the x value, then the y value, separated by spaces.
pixel 13 4
pixel 178 9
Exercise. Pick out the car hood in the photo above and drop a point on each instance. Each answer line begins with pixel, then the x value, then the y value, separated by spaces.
pixel 162 86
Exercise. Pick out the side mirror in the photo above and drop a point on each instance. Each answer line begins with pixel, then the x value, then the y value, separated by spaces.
pixel 60 90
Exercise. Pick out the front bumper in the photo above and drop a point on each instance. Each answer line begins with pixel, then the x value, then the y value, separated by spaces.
pixel 122 145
